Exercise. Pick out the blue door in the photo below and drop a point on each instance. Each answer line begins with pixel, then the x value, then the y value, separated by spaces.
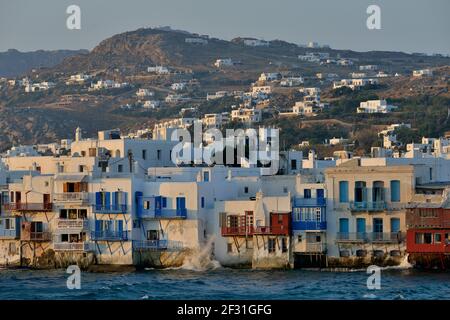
pixel 343 225
pixel 360 225
pixel 320 194
pixel 395 225
pixel 181 206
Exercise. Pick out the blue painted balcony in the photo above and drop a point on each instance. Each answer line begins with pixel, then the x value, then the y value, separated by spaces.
pixel 106 209
pixel 109 235
pixel 309 225
pixel 310 202
pixel 365 206
pixel 157 245
pixel 178 213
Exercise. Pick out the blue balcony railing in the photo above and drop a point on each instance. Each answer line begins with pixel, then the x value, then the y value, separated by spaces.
pixel 368 206
pixel 115 208
pixel 109 235
pixel 309 225
pixel 157 245
pixel 375 237
pixel 10 233
pixel 310 202
pixel 179 213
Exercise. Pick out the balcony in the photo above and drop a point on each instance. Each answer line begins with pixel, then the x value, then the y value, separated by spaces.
pixel 78 197
pixel 365 206
pixel 316 247
pixel 273 230
pixel 116 208
pixel 74 246
pixel 310 202
pixel 309 225
pixel 37 207
pixel 179 213
pixel 157 245
pixel 10 233
pixel 109 235
pixel 71 224
pixel 370 237
pixel 36 236
pixel 355 237
pixel 237 231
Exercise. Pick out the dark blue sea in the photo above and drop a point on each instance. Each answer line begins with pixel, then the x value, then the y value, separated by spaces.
pixel 223 283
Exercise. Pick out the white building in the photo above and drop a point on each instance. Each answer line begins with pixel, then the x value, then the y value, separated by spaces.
pixel 247 115
pixel 375 106
pixel 225 62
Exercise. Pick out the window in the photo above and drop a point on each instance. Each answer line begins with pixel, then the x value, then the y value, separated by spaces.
pixel 152 235
pixel 377 225
pixel 158 154
pixel 431 173
pixel 229 247
pixel 284 245
pixel 307 193
pixel 395 191
pixel 360 225
pixel 285 190
pixel 378 191
pixel 245 189
pixel 437 238
pixel 293 164
pixel 92 152
pixel 343 191
pixel 147 205
pixel 360 191
pixel 427 238
pixel 271 245
pixel 318 238
pixel 144 154
pixel 164 202
pixel 203 202
pixel 80 168
pixel 120 168
pixel 206 176
pixel 299 238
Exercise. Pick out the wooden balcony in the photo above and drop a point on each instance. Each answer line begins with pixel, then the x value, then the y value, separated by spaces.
pixel 272 230
pixel 31 207
pixel 74 246
pixel 36 236
pixel 71 197
pixel 70 224
pixel 237 231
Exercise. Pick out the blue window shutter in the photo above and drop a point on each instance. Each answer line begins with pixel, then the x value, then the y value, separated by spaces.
pixel 107 199
pixel 395 225
pixel 98 225
pixel 164 202
pixel 120 226
pixel 115 200
pixel 203 202
pixel 343 225
pixel 360 225
pixel 158 203
pixel 98 199
pixel 125 198
pixel 320 194
pixel 395 191
pixel 343 191
pixel 139 203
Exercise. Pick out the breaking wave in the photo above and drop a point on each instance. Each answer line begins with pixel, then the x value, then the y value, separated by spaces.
pixel 201 259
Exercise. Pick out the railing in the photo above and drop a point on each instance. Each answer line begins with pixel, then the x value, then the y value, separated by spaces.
pixel 273 230
pixel 18 206
pixel 375 237
pixel 179 213
pixel 309 225
pixel 310 202
pixel 71 197
pixel 109 235
pixel 72 224
pixel 73 246
pixel 238 231
pixel 10 233
pixel 115 208
pixel 36 236
pixel 157 245
pixel 367 206
pixel 351 237
pixel 316 247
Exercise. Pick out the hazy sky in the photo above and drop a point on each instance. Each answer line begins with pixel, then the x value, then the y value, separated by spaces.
pixel 406 25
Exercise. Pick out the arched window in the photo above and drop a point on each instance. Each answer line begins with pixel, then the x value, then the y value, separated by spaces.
pixel 117 153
